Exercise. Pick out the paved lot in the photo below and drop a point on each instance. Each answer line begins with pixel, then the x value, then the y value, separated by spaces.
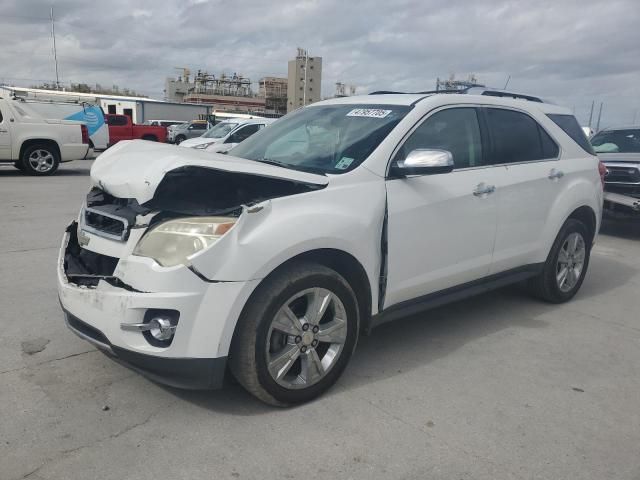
pixel 495 387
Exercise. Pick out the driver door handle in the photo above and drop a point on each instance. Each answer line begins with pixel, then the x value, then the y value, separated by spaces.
pixel 484 189
pixel 555 174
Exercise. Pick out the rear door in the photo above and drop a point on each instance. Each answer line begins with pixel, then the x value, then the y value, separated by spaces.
pixel 5 136
pixel 441 228
pixel 529 180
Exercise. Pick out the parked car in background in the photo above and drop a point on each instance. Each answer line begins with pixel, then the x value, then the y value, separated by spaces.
pixel 619 150
pixel 37 145
pixel 163 123
pixel 122 128
pixel 340 216
pixel 231 131
pixel 179 133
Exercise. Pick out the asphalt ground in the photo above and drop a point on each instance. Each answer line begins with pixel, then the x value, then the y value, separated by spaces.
pixel 499 386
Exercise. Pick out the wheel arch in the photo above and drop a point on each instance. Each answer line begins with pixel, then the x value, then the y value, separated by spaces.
pixel 338 260
pixel 586 215
pixel 39 141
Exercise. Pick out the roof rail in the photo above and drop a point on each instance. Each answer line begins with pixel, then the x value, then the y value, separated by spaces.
pixel 468 91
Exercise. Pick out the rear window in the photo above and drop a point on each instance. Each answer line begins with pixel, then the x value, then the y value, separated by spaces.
pixel 571 127
pixel 617 141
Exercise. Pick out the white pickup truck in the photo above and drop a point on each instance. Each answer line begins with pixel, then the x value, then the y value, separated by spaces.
pixel 36 145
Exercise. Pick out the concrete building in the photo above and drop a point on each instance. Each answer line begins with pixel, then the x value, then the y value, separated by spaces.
pixel 274 92
pixel 304 80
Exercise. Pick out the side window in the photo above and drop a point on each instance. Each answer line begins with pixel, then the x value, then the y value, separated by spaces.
pixel 117 120
pixel 0 116
pixel 454 129
pixel 243 133
pixel 571 127
pixel 199 126
pixel 517 137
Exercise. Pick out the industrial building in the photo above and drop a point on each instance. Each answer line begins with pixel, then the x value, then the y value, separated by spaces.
pixel 274 92
pixel 304 80
pixel 222 93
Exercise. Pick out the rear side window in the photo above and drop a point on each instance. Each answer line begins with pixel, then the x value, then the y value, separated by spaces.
pixel 518 138
pixel 117 120
pixel 571 127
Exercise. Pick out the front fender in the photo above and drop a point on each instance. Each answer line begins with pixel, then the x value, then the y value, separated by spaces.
pixel 347 218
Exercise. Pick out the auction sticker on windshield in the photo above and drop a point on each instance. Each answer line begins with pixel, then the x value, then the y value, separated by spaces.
pixel 368 112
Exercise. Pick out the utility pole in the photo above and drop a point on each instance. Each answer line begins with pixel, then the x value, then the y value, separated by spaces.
pixel 55 53
pixel 593 103
pixel 599 116
pixel 304 94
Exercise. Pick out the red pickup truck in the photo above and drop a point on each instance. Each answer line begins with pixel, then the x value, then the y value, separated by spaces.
pixel 122 128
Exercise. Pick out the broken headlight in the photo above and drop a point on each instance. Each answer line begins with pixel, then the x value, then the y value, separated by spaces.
pixel 173 242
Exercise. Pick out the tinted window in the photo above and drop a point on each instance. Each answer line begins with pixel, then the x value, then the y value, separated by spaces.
pixel 243 133
pixel 455 129
pixel 199 126
pixel 517 137
pixel 617 141
pixel 117 120
pixel 571 127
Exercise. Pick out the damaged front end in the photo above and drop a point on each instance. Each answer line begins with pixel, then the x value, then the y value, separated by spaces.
pixel 187 197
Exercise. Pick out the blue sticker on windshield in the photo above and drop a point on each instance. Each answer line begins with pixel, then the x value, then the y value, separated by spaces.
pixel 344 163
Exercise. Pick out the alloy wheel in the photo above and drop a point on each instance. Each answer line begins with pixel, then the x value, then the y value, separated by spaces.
pixel 41 161
pixel 570 262
pixel 306 337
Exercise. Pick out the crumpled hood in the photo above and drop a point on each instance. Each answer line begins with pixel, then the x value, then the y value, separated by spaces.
pixel 135 168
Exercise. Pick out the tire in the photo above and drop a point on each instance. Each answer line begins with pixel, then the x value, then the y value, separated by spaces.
pixel 258 341
pixel 180 139
pixel 551 285
pixel 40 160
pixel 19 165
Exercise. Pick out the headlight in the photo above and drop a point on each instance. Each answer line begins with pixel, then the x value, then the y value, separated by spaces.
pixel 202 146
pixel 173 242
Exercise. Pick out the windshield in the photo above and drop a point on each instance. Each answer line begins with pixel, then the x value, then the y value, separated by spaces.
pixel 324 139
pixel 220 130
pixel 617 141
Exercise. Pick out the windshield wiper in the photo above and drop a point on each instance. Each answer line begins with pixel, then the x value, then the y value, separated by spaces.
pixel 300 168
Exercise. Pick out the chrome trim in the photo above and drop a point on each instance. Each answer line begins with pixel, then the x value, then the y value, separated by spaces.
pixel 136 327
pixel 101 233
pixel 93 341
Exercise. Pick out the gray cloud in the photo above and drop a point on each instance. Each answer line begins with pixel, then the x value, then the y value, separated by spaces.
pixel 570 51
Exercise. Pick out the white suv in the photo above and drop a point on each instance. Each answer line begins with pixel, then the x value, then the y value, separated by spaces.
pixel 270 261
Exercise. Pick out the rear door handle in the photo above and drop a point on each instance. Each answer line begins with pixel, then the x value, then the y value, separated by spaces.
pixel 484 189
pixel 555 174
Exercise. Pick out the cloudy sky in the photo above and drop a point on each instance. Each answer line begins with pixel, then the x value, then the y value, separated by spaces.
pixel 573 52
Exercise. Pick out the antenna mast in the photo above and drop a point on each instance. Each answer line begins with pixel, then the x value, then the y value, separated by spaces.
pixel 55 53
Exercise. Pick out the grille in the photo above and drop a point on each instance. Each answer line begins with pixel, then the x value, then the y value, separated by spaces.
pixel 622 175
pixel 105 224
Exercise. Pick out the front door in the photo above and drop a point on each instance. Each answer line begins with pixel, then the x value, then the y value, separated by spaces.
pixel 5 138
pixel 441 228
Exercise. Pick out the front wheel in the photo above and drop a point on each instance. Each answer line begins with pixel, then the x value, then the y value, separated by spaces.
pixel 296 335
pixel 180 139
pixel 566 265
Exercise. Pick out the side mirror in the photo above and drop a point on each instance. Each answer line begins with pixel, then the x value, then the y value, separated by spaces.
pixel 424 162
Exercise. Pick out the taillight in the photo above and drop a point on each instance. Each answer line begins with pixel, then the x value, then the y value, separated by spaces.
pixel 602 170
pixel 85 134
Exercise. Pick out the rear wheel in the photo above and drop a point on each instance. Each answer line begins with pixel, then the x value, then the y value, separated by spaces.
pixel 566 265
pixel 296 335
pixel 40 160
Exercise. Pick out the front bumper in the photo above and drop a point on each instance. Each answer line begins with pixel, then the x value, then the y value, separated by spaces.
pixel 187 373
pixel 208 312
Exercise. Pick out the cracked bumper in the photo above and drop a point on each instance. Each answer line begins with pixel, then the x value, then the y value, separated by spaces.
pixel 208 312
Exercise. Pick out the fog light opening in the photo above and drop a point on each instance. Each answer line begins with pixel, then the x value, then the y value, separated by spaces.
pixel 162 326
